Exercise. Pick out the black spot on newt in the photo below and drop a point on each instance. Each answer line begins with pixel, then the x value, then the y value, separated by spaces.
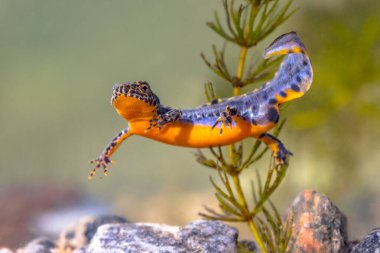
pixel 254 109
pixel 272 101
pixel 295 87
pixel 273 115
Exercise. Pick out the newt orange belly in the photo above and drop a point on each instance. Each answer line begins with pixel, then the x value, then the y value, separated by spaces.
pixel 187 134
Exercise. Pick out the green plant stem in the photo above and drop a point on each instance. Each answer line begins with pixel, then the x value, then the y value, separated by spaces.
pixel 235 177
pixel 247 216
pixel 240 70
pixel 255 233
pixel 240 194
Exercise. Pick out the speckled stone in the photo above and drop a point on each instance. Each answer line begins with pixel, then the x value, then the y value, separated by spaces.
pixel 39 245
pixel 80 234
pixel 370 244
pixel 318 225
pixel 249 246
pixel 198 236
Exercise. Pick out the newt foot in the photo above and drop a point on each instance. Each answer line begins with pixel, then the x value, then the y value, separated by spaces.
pixel 281 154
pixel 103 161
pixel 225 118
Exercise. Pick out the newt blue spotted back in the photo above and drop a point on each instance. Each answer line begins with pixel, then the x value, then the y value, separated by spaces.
pixel 220 122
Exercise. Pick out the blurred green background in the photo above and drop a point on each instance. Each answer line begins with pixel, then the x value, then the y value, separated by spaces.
pixel 59 60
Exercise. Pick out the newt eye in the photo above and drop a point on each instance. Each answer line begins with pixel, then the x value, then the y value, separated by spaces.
pixel 144 87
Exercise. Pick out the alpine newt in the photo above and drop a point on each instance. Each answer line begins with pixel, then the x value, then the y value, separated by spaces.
pixel 220 122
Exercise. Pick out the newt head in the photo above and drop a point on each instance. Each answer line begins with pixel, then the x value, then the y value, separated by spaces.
pixel 288 43
pixel 134 100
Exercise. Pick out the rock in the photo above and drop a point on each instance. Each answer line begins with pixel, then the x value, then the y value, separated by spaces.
pixel 80 235
pixel 370 244
pixel 248 246
pixel 198 236
pixel 318 225
pixel 51 223
pixel 39 245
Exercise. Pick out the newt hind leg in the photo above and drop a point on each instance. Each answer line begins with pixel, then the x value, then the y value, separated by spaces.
pixel 105 157
pixel 226 119
pixel 280 153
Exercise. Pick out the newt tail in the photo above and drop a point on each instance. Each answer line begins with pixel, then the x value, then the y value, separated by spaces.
pixel 220 122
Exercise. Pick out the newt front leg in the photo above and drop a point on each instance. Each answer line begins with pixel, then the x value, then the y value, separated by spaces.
pixel 159 120
pixel 104 159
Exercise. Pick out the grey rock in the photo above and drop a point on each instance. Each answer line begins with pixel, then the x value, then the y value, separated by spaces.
pixel 198 236
pixel 51 222
pixel 249 246
pixel 370 244
pixel 39 245
pixel 80 234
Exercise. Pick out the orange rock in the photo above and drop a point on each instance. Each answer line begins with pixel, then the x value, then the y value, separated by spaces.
pixel 318 225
